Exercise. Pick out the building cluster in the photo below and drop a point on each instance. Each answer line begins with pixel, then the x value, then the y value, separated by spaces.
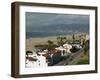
pixel 41 59
pixel 45 57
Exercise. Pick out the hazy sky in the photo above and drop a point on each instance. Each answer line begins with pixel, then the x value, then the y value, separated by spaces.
pixel 34 21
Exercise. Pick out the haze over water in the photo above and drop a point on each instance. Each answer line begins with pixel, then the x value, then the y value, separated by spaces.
pixel 50 24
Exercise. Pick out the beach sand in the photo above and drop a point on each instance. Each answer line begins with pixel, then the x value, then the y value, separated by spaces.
pixel 31 42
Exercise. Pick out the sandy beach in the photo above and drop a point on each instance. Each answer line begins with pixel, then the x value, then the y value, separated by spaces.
pixel 31 42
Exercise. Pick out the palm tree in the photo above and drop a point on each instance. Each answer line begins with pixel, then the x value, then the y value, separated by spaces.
pixel 61 40
pixel 50 42
pixel 73 37
pixel 64 39
pixel 51 45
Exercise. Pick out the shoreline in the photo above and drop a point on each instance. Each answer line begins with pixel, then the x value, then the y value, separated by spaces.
pixel 31 42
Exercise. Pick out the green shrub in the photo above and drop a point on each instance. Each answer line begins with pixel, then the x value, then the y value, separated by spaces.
pixel 83 61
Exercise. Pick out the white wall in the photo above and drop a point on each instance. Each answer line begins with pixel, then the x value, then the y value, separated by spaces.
pixel 5 40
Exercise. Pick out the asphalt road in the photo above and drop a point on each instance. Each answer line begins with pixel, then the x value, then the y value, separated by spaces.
pixel 71 57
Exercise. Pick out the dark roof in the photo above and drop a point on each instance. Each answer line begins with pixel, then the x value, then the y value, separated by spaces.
pixel 31 59
pixel 76 42
pixel 28 52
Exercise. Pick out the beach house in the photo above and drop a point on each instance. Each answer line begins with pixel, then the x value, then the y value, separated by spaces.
pixel 34 60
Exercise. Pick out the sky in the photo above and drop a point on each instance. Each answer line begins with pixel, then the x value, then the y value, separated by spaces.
pixel 41 21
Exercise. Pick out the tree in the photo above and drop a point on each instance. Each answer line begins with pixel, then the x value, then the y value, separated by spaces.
pixel 50 42
pixel 27 53
pixel 51 45
pixel 41 46
pixel 61 40
pixel 80 37
pixel 73 37
pixel 64 39
pixel 86 47
pixel 74 49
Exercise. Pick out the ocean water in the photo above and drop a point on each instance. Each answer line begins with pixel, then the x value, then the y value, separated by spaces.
pixel 47 34
pixel 56 30
pixel 43 34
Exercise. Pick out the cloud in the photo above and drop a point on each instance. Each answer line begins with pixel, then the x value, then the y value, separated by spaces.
pixel 34 21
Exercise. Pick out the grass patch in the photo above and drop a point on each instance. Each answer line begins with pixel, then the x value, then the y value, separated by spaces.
pixel 83 61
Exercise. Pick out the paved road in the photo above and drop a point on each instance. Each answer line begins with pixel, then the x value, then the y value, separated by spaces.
pixel 69 59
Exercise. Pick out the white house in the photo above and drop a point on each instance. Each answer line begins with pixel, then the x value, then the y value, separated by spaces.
pixel 30 62
pixel 67 47
pixel 87 37
pixel 77 45
pixel 42 60
pixel 34 60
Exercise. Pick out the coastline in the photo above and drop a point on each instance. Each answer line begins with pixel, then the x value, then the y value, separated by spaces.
pixel 31 42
